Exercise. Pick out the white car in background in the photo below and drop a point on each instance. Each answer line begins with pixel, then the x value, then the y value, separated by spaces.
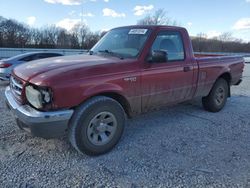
pixel 247 59
pixel 6 65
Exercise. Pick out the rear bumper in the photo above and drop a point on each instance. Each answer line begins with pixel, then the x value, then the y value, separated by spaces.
pixel 4 74
pixel 41 124
pixel 4 77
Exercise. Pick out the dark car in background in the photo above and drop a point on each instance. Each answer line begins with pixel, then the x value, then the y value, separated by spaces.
pixel 6 65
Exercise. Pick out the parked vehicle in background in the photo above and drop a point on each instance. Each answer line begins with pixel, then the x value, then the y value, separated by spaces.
pixel 247 59
pixel 131 70
pixel 7 65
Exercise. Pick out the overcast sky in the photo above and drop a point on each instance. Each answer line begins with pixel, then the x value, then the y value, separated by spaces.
pixel 207 16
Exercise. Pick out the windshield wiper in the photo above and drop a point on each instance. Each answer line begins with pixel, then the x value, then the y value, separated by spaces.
pixel 111 53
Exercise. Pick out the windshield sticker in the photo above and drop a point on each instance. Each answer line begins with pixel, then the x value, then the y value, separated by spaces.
pixel 137 31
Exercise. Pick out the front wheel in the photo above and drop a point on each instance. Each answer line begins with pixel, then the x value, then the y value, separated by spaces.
pixel 97 126
pixel 217 97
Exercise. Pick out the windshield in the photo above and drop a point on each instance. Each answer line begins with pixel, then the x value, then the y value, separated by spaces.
pixel 122 42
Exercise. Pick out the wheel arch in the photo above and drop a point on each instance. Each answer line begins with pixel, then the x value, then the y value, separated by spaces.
pixel 110 90
pixel 227 76
pixel 117 96
pixel 120 99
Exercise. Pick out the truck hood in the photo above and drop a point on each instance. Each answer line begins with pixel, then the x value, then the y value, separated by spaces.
pixel 76 67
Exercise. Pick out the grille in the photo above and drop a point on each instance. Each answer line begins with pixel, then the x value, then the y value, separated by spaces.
pixel 16 86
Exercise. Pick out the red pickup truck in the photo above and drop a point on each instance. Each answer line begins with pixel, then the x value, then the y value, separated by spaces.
pixel 131 70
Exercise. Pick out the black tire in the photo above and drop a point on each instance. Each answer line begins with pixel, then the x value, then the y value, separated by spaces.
pixel 85 121
pixel 217 97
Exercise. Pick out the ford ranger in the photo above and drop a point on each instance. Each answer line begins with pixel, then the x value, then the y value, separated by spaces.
pixel 131 70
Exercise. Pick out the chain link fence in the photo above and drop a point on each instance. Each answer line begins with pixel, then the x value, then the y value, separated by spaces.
pixel 10 52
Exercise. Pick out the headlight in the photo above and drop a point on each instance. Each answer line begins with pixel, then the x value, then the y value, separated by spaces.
pixel 37 97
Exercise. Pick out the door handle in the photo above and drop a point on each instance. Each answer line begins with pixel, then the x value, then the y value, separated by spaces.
pixel 187 69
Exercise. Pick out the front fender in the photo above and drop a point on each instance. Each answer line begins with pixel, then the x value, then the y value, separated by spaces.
pixel 103 88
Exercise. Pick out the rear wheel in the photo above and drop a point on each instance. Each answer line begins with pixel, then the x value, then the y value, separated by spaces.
pixel 97 126
pixel 217 97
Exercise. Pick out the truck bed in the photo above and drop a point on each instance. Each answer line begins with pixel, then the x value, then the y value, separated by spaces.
pixel 201 55
pixel 211 66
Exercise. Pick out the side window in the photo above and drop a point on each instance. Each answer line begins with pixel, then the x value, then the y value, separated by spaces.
pixel 52 55
pixel 28 58
pixel 172 43
pixel 45 55
pixel 41 56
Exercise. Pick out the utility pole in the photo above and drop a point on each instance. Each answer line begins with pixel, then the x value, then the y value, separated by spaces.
pixel 81 24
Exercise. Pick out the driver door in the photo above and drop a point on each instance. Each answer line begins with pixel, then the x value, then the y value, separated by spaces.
pixel 170 81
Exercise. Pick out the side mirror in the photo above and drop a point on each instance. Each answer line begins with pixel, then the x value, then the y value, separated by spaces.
pixel 158 56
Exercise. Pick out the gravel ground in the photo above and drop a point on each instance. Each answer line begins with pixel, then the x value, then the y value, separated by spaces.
pixel 180 146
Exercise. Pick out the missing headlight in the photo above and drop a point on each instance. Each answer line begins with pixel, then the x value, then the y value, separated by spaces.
pixel 38 97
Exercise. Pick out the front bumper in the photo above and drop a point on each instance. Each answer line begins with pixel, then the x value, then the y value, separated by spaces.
pixel 41 124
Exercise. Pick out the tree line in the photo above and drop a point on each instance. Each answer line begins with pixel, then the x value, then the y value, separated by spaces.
pixel 223 43
pixel 14 34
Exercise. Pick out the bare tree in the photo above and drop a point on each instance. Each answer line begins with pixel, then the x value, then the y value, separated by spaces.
pixel 74 41
pixel 35 37
pixel 81 31
pixel 14 33
pixel 50 36
pixel 225 37
pixel 159 17
pixel 1 30
pixel 201 37
pixel 63 39
pixel 91 40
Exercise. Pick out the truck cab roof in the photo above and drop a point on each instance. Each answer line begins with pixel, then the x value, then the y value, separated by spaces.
pixel 153 27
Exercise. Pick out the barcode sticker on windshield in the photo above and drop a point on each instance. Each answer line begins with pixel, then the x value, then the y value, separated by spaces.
pixel 137 31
